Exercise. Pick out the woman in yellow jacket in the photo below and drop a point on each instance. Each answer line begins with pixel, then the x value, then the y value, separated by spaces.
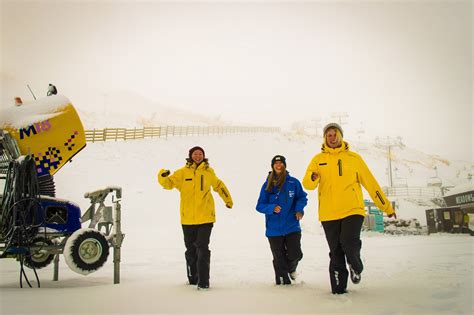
pixel 339 173
pixel 197 209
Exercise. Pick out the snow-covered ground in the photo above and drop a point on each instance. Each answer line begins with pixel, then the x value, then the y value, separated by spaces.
pixel 403 274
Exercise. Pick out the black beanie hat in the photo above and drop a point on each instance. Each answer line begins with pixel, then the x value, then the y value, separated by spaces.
pixel 196 148
pixel 278 158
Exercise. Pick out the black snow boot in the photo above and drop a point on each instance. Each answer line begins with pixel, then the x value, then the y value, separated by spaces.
pixel 281 277
pixel 203 287
pixel 284 279
pixel 192 274
pixel 203 267
pixel 292 269
pixel 355 277
pixel 340 292
pixel 338 280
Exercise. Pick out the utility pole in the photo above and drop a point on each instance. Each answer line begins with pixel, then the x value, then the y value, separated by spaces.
pixel 389 143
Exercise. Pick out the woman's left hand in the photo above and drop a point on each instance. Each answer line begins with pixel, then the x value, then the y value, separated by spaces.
pixel 299 215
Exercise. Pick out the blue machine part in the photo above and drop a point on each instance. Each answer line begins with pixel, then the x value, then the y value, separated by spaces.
pixel 60 215
pixel 17 251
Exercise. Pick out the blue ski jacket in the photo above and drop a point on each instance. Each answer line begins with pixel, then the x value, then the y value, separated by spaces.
pixel 291 198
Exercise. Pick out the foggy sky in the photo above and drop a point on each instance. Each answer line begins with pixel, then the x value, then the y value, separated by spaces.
pixel 398 68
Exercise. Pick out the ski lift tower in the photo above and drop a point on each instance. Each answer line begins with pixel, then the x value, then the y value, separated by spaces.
pixel 388 143
pixel 317 125
pixel 338 117
pixel 360 131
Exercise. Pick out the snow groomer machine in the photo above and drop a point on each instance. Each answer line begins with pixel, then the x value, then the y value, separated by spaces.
pixel 36 140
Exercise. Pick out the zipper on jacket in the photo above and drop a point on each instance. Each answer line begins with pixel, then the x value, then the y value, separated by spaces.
pixel 380 197
pixel 339 163
pixel 202 182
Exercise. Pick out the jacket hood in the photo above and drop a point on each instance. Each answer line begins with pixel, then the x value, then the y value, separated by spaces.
pixel 342 148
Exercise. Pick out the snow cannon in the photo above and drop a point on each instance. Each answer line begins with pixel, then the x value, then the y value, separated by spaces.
pixel 36 140
pixel 49 129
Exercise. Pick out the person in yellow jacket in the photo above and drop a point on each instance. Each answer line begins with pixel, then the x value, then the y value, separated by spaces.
pixel 197 209
pixel 339 173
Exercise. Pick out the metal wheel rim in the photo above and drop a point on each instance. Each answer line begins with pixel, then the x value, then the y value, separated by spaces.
pixel 41 255
pixel 90 250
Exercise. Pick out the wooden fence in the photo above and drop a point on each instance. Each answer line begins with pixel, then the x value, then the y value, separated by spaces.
pixel 432 192
pixel 115 134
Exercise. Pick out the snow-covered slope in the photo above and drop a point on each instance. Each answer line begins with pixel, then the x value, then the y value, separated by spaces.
pixel 399 271
pixel 112 109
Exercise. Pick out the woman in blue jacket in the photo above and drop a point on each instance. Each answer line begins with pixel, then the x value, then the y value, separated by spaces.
pixel 282 200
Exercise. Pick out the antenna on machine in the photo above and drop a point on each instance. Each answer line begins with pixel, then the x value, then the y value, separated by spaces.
pixel 31 91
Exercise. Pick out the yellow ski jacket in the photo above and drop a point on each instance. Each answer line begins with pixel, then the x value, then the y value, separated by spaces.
pixel 194 184
pixel 341 174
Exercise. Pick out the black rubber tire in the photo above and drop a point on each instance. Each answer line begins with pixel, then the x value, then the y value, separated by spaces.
pixel 87 252
pixel 41 258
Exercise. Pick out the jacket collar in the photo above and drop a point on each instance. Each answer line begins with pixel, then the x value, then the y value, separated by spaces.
pixel 193 165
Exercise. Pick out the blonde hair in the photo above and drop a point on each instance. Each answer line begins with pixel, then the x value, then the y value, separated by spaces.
pixel 338 135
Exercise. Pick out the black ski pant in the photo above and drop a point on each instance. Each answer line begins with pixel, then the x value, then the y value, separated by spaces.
pixel 198 255
pixel 343 237
pixel 287 253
